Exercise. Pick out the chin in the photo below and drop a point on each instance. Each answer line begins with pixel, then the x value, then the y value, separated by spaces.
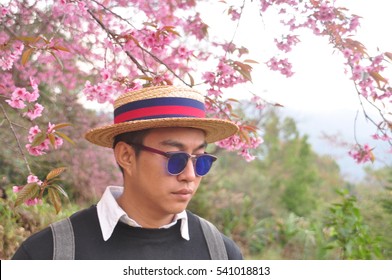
pixel 178 208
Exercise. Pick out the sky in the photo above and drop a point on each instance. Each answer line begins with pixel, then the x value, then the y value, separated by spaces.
pixel 320 97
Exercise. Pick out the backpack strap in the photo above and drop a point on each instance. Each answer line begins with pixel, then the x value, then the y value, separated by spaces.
pixel 214 239
pixel 63 240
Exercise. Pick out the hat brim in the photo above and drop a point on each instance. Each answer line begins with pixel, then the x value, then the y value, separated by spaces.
pixel 215 129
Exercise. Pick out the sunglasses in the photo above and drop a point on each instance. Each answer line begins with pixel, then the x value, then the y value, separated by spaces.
pixel 177 161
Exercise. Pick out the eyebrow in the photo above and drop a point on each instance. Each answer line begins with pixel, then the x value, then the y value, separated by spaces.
pixel 181 146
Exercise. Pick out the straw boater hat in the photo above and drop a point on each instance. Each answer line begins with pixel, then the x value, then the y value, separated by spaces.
pixel 157 107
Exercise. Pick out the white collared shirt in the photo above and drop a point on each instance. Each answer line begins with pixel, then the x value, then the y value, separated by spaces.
pixel 110 213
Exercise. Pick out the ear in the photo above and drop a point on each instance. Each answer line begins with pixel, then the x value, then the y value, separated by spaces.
pixel 125 156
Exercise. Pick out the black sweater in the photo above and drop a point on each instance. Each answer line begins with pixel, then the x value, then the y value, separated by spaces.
pixel 126 242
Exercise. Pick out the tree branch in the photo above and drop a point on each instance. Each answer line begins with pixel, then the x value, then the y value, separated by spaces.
pixel 16 138
pixel 113 36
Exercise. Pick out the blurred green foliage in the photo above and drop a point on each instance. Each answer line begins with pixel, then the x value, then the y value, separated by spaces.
pixel 348 233
pixel 289 202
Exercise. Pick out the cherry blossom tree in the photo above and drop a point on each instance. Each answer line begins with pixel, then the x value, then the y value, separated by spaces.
pixel 99 49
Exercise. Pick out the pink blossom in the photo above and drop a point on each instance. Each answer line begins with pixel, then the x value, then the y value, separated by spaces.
pixel 82 6
pixel 246 155
pixel 35 112
pixel 282 65
pixel 35 151
pixel 31 96
pixel 235 15
pixel 225 76
pixel 3 12
pixel 33 179
pixel 183 53
pixel 287 43
pixel 33 201
pixel 259 103
pixel 377 60
pixel 354 23
pixel 214 92
pixel 209 77
pixel 383 137
pixel 16 103
pixel 17 189
pixel 58 142
pixel 157 80
pixel 33 84
pixel 19 93
pixel 134 86
pixel 195 26
pixel 46 144
pixel 105 74
pixel 265 5
pixel 362 154
pixel 228 47
pixel 235 143
pixel 33 131
pixel 273 64
pixel 10 55
pixel 347 53
pixel 357 72
pixel 102 92
pixel 325 13
pixel 51 128
pixel 150 41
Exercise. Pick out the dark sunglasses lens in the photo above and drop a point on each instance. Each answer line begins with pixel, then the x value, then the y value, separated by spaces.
pixel 203 164
pixel 176 163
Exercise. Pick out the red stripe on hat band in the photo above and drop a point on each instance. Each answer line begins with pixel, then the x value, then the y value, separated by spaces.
pixel 159 112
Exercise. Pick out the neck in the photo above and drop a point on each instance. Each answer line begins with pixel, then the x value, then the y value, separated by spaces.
pixel 144 217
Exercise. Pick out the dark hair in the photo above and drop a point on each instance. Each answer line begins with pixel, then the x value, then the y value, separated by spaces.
pixel 133 137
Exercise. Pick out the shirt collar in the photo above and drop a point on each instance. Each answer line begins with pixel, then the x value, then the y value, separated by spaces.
pixel 110 213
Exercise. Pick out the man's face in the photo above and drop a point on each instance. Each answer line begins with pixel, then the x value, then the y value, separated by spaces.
pixel 156 192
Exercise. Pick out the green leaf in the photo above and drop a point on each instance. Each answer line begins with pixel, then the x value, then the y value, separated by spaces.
pixel 61 48
pixel 54 173
pixel 54 198
pixel 65 137
pixel 26 55
pixel 243 69
pixel 39 139
pixel 191 79
pixel 27 39
pixel 52 139
pixel 57 59
pixel 389 55
pixel 29 191
pixel 142 77
pixel 59 190
pixel 61 125
pixel 245 74
pixel 250 61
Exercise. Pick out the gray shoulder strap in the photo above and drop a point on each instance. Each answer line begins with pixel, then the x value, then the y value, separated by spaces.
pixel 63 240
pixel 214 239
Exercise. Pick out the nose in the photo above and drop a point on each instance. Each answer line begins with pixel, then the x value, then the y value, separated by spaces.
pixel 189 173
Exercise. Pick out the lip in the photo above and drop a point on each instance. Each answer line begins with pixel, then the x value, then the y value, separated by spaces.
pixel 183 193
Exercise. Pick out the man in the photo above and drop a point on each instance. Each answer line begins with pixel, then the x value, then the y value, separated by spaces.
pixel 159 138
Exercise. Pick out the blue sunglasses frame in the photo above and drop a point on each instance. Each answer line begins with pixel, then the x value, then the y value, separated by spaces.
pixel 201 163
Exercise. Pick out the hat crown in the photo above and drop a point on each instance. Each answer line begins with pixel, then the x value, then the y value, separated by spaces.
pixel 158 92
pixel 158 103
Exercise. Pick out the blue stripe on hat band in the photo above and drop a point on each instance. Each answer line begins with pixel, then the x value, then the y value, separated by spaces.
pixel 160 101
